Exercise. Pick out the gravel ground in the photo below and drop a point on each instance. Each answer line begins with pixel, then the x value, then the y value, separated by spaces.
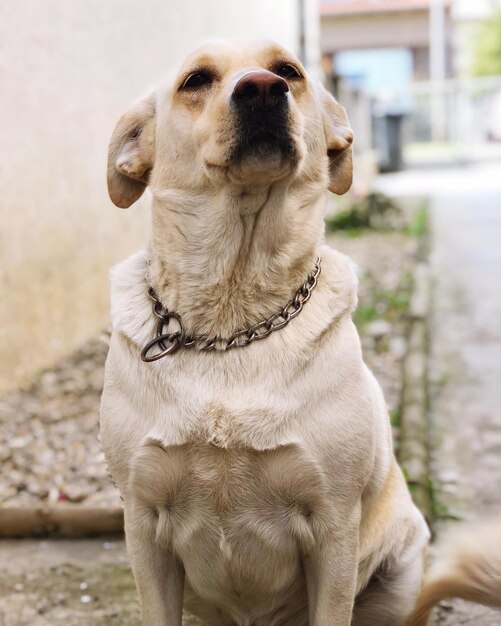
pixel 49 448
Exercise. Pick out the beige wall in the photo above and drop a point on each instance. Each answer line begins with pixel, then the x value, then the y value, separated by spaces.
pixel 67 69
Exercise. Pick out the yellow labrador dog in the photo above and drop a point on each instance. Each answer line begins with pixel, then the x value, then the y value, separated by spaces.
pixel 250 442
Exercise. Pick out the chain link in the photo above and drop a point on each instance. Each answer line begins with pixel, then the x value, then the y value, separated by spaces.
pixel 171 342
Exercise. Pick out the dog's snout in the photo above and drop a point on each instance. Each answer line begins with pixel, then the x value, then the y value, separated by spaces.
pixel 260 90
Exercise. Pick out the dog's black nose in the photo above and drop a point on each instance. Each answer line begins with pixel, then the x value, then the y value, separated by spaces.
pixel 260 89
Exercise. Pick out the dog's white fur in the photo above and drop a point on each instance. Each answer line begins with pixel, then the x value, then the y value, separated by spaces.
pixel 259 484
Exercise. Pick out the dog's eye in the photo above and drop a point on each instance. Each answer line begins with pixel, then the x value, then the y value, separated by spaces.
pixel 197 79
pixel 288 71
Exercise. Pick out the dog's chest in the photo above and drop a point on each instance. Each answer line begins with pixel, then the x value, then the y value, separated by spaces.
pixel 239 519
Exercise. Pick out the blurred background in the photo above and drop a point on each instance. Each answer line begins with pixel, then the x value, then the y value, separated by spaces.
pixel 421 81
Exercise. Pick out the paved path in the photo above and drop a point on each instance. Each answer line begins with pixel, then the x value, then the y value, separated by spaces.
pixel 465 360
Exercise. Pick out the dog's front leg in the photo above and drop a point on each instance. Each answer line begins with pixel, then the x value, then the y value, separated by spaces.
pixel 331 578
pixel 159 575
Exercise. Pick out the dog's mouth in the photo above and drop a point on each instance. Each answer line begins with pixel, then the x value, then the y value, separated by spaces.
pixel 265 139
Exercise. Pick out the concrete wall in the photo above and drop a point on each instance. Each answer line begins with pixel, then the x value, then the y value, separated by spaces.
pixel 67 70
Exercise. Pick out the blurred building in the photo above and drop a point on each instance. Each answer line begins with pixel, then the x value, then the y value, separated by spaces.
pixel 67 71
pixel 382 34
pixel 403 68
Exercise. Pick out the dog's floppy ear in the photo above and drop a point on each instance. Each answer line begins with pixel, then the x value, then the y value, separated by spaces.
pixel 339 137
pixel 131 153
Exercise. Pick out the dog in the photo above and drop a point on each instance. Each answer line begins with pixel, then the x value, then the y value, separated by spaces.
pixel 250 442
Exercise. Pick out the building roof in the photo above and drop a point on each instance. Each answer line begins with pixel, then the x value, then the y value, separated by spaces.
pixel 355 7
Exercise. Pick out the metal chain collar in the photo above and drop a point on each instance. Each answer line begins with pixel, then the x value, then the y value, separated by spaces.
pixel 169 343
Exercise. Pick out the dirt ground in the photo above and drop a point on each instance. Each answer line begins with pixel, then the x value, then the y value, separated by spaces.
pixel 68 583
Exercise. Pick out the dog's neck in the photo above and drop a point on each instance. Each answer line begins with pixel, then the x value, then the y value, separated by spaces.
pixel 227 260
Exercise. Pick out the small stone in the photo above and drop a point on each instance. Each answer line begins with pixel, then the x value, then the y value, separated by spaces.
pixel 36 489
pixel 85 599
pixel 59 598
pixel 378 328
pixel 5 453
pixel 449 476
pixel 398 347
pixel 19 442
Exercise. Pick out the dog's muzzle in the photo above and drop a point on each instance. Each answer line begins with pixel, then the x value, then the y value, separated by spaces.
pixel 261 106
pixel 261 92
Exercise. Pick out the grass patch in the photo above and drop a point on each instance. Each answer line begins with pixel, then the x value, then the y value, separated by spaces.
pixel 440 510
pixel 353 233
pixel 365 314
pixel 396 417
pixel 391 305
pixel 375 211
pixel 397 302
pixel 418 227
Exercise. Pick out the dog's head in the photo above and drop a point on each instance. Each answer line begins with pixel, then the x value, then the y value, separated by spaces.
pixel 245 116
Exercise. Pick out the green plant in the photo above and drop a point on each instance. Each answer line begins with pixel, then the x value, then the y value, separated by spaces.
pixel 440 510
pixel 365 314
pixel 396 302
pixel 487 51
pixel 396 417
pixel 376 210
pixel 419 224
